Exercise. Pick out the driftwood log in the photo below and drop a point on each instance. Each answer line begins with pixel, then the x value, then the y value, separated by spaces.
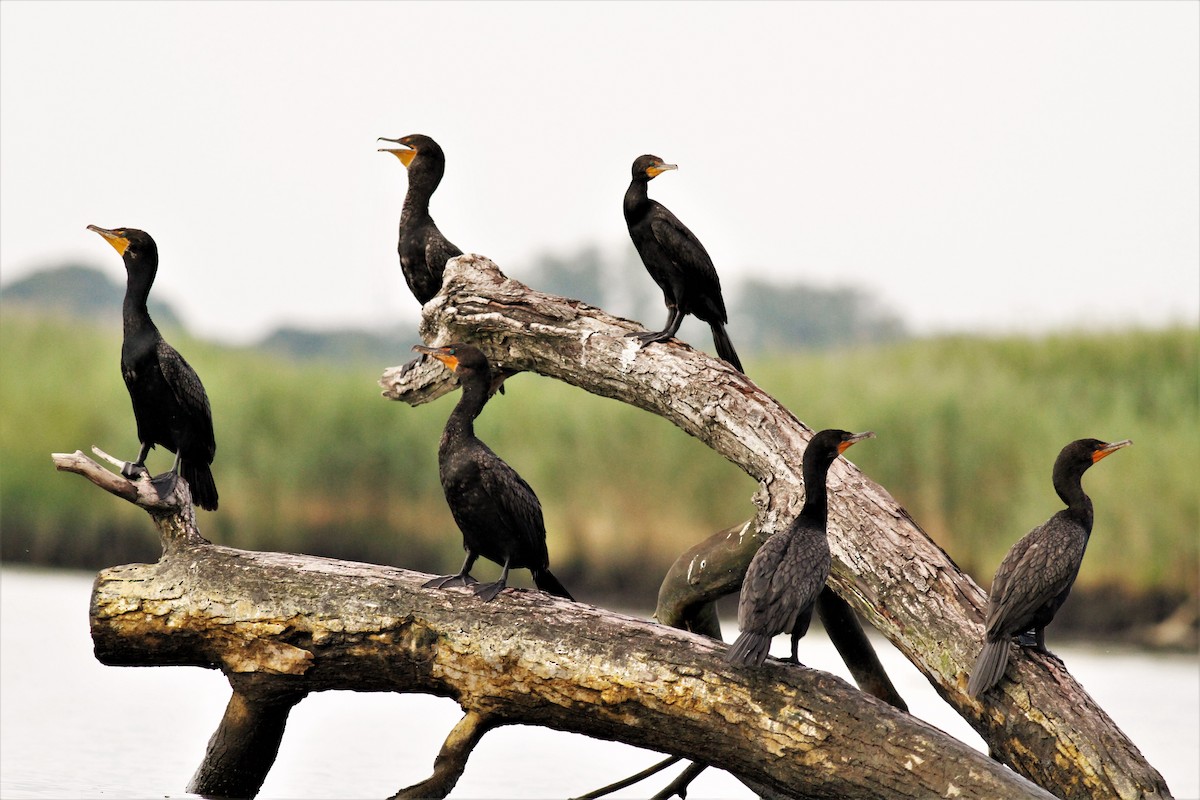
pixel 280 625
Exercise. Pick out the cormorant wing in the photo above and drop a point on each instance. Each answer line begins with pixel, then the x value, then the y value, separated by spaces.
pixel 189 393
pixel 1037 569
pixel 439 250
pixel 689 255
pixel 518 508
pixel 769 598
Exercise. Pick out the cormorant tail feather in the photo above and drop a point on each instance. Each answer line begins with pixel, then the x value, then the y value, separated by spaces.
pixel 545 580
pixel 725 347
pixel 989 668
pixel 200 481
pixel 750 649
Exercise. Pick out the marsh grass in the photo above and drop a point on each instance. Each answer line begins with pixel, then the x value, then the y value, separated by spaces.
pixel 311 459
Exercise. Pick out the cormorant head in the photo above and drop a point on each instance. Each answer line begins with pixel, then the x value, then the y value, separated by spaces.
pixel 828 444
pixel 415 145
pixel 1082 453
pixel 648 167
pixel 136 247
pixel 459 358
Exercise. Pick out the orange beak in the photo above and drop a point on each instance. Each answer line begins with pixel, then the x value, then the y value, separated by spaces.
pixel 855 439
pixel 116 238
pixel 1109 449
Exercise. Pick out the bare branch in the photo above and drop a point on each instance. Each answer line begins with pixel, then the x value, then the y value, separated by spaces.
pixel 1043 723
pixel 452 758
pixel 649 771
pixel 527 658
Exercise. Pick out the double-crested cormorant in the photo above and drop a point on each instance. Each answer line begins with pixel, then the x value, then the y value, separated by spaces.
pixel 789 571
pixel 169 402
pixel 1034 579
pixel 423 249
pixel 499 515
pixel 676 260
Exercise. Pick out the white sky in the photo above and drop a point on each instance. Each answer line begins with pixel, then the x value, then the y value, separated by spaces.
pixel 999 166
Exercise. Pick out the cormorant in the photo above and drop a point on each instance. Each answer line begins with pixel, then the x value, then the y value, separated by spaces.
pixel 1034 579
pixel 789 571
pixel 169 402
pixel 499 515
pixel 423 249
pixel 676 260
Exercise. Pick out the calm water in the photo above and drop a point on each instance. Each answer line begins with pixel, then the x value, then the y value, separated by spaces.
pixel 71 727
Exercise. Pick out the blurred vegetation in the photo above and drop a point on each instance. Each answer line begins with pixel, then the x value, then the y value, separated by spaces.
pixel 764 315
pixel 311 459
pixel 80 291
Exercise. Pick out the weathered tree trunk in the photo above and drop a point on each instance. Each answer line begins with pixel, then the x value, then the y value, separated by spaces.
pixel 281 626
pixel 1043 723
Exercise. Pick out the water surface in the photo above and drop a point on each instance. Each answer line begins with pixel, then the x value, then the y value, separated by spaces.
pixel 73 728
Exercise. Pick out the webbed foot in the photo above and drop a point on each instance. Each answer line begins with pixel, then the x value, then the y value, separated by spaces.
pixel 165 484
pixel 487 591
pixel 134 471
pixel 1042 649
pixel 1035 639
pixel 461 579
pixel 648 337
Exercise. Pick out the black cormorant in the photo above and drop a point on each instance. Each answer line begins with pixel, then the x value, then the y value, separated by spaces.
pixel 499 515
pixel 423 249
pixel 789 571
pixel 169 402
pixel 1035 577
pixel 676 260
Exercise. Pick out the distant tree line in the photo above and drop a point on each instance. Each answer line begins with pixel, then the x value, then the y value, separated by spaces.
pixel 80 292
pixel 765 316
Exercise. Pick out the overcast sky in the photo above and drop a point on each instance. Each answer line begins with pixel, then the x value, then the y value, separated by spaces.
pixel 998 166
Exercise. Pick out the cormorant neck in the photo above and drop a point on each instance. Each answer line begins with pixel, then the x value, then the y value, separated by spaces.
pixel 816 494
pixel 637 199
pixel 474 397
pixel 423 180
pixel 1070 488
pixel 139 279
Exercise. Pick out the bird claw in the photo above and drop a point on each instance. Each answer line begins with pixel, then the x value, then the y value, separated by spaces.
pixel 488 591
pixel 165 484
pixel 1030 641
pixel 647 337
pixel 1046 652
pixel 461 579
pixel 134 471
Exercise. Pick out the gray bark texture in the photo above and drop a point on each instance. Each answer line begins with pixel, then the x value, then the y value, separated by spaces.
pixel 1040 722
pixel 282 625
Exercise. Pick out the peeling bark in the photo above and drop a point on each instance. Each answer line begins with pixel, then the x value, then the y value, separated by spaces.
pixel 1043 724
pixel 297 624
pixel 280 626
